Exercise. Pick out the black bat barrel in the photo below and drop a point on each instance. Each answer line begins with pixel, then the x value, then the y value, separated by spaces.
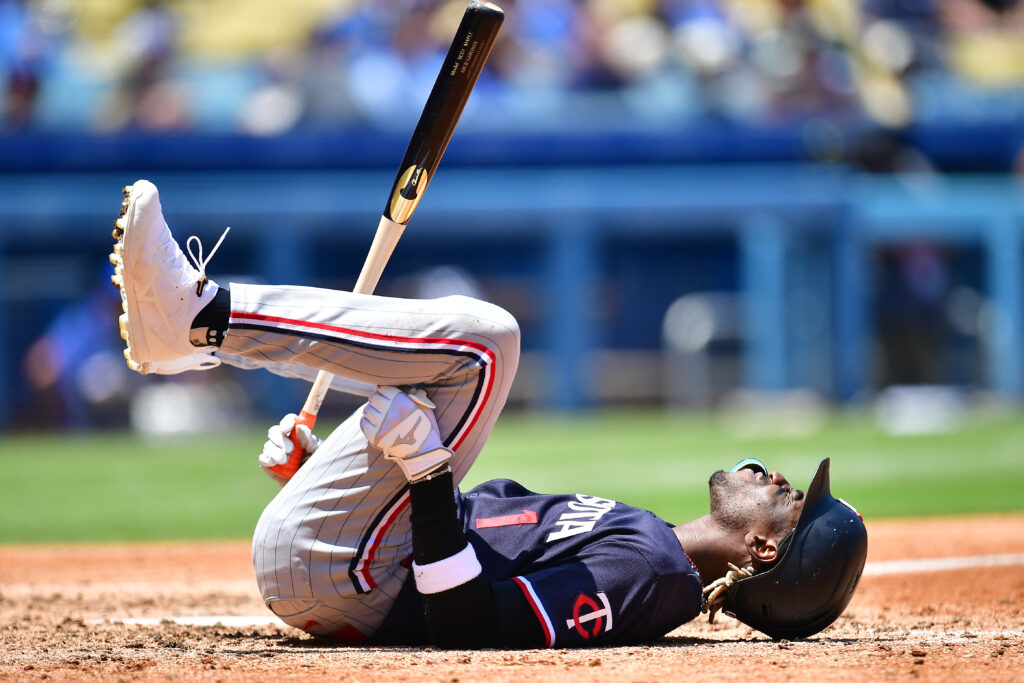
pixel 466 56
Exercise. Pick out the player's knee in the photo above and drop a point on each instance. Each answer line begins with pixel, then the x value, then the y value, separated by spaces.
pixel 276 568
pixel 490 322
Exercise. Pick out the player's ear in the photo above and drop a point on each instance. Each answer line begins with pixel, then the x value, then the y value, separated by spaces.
pixel 763 550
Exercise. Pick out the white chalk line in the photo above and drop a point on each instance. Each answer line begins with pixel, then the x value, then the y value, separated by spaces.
pixel 940 564
pixel 931 564
pixel 958 636
pixel 230 622
pixel 947 637
pixel 147 588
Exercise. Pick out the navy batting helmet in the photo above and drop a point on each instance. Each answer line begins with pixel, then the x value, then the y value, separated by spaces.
pixel 814 579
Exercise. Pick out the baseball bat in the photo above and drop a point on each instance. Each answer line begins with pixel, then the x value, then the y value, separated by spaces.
pixel 465 59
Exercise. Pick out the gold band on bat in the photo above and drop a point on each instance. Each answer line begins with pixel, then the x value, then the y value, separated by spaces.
pixel 408 192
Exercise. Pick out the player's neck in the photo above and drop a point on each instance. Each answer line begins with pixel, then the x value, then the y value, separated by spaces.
pixel 709 547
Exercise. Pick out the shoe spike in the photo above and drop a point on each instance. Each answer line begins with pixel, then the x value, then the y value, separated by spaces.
pixel 117 280
pixel 122 325
pixel 115 260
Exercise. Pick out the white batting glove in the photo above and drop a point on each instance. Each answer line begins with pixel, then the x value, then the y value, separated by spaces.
pixel 403 426
pixel 279 449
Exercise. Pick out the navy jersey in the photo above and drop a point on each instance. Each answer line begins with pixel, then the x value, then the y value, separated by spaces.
pixel 594 571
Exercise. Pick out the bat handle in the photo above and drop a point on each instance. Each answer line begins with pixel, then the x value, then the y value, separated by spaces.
pixel 384 241
pixel 316 398
pixel 288 469
pixel 307 417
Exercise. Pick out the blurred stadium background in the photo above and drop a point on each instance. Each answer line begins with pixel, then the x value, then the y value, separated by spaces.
pixel 791 204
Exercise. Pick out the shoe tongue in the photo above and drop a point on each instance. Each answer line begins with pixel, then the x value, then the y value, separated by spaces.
pixel 183 273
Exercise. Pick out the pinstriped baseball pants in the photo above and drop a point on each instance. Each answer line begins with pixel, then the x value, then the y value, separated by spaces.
pixel 328 551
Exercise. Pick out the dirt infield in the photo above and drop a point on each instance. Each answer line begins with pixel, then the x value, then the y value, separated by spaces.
pixel 906 621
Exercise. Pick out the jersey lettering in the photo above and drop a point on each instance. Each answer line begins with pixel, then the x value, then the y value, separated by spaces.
pixel 586 510
pixel 601 616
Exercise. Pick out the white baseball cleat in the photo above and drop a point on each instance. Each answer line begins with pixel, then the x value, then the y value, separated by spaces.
pixel 161 293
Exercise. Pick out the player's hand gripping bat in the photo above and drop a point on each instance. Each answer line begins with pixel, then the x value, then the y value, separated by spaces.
pixel 459 72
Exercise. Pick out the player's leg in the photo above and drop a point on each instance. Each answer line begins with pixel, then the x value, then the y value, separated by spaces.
pixel 462 351
pixel 328 550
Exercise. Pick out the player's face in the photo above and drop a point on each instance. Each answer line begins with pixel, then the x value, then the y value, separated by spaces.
pixel 746 497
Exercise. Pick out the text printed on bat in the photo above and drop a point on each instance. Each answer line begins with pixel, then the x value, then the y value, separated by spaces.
pixel 462 53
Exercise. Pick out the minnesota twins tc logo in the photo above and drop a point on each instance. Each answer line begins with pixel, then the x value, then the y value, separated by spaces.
pixel 586 610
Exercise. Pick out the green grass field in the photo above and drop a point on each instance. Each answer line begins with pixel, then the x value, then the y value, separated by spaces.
pixel 117 487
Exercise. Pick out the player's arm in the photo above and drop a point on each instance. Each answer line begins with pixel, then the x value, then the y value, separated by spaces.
pixel 463 610
pixel 608 593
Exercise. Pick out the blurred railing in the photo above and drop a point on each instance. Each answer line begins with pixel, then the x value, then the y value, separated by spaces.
pixel 987 143
pixel 803 238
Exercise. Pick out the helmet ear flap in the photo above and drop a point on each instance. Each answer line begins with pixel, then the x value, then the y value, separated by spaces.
pixel 784 544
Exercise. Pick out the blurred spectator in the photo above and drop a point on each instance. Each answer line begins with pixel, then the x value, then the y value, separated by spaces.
pixel 20 96
pixel 336 63
pixel 277 105
pixel 23 51
pixel 147 97
pixel 986 40
pixel 913 329
pixel 76 368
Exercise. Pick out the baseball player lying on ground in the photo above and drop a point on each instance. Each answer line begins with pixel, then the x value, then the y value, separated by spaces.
pixel 370 542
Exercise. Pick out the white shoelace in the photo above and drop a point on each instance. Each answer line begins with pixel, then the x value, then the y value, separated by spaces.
pixel 199 262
